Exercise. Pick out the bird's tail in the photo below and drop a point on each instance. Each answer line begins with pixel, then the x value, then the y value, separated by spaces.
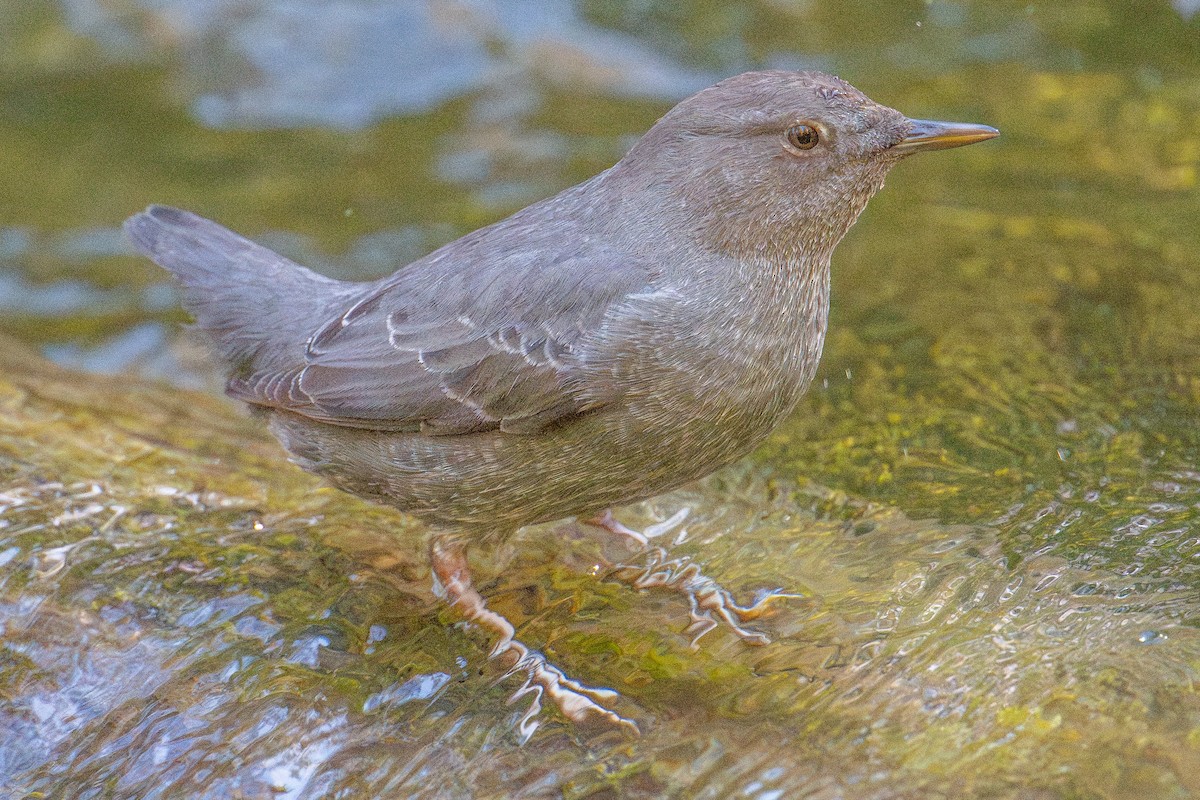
pixel 257 306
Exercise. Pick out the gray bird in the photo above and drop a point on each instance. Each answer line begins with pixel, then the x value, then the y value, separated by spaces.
pixel 628 335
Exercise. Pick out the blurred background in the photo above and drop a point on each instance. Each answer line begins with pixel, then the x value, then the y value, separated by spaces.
pixel 356 135
pixel 991 496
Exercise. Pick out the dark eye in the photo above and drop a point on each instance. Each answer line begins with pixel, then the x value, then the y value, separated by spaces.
pixel 803 137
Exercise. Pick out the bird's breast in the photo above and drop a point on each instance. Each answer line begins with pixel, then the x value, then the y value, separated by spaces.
pixel 710 380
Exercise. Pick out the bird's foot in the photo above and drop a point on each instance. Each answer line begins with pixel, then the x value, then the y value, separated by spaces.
pixel 575 701
pixel 709 602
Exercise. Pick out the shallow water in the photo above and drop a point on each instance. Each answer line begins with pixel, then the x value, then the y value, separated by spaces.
pixel 990 500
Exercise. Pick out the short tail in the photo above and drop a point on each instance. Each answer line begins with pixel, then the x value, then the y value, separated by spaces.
pixel 257 306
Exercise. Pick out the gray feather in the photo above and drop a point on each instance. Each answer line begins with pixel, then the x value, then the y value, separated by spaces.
pixel 256 306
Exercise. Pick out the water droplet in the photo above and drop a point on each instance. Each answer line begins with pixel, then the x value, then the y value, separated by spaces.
pixel 1151 637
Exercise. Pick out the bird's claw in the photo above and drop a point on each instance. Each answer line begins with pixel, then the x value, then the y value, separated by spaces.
pixel 708 600
pixel 575 701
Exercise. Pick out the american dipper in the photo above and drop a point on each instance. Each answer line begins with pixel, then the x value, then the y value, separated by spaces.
pixel 630 334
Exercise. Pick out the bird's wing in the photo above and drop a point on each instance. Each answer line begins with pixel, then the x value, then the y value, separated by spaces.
pixel 458 344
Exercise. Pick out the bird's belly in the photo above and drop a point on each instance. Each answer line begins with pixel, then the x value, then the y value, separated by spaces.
pixel 496 482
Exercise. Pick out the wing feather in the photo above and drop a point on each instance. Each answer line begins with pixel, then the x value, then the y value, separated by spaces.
pixel 454 344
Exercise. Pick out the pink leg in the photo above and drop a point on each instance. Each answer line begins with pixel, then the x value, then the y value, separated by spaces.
pixel 574 700
pixel 706 597
pixel 608 522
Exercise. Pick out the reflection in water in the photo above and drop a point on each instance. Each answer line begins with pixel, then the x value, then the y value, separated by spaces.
pixel 999 586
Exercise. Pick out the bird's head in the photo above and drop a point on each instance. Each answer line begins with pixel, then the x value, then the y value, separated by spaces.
pixel 776 164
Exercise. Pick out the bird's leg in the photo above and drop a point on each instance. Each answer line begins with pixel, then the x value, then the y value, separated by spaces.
pixel 707 599
pixel 608 522
pixel 574 700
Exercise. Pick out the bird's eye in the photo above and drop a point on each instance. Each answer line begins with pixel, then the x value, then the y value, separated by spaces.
pixel 803 137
